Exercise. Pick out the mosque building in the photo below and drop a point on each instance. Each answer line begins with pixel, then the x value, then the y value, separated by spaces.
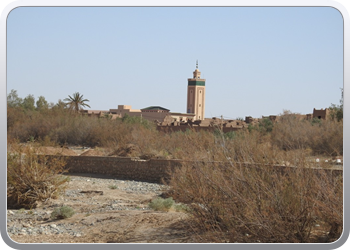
pixel 194 111
pixel 196 95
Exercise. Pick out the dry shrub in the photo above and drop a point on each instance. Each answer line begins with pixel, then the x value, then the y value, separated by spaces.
pixel 63 212
pixel 329 203
pixel 148 142
pixel 160 204
pixel 186 145
pixel 31 178
pixel 291 132
pixel 230 184
pixel 245 198
pixel 329 140
pixel 321 136
pixel 52 127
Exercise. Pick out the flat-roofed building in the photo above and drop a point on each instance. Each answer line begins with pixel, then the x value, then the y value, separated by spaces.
pixel 320 113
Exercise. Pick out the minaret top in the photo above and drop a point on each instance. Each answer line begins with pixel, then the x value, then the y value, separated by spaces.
pixel 197 73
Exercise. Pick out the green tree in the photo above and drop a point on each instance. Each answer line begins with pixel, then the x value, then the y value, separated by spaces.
pixel 59 105
pixel 316 121
pixel 41 103
pixel 76 102
pixel 337 110
pixel 137 120
pixel 265 125
pixel 13 100
pixel 28 103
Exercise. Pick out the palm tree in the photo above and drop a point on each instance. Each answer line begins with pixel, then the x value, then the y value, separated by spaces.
pixel 76 102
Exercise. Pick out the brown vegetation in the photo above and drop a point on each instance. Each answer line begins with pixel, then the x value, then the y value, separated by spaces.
pixel 31 178
pixel 243 204
pixel 243 196
pixel 320 136
pixel 232 191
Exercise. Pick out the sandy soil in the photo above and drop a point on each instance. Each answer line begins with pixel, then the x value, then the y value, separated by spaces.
pixel 128 220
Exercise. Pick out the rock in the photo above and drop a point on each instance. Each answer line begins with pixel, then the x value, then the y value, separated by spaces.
pixel 92 192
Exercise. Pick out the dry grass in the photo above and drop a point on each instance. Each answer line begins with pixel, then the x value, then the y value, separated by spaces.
pixel 31 178
pixel 232 191
pixel 242 197
pixel 58 127
pixel 318 136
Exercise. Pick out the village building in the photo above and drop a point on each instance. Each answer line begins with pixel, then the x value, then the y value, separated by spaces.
pixel 195 111
pixel 163 116
pixel 125 109
pixel 321 113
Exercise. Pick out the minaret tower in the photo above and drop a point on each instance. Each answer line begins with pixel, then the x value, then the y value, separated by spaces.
pixel 196 95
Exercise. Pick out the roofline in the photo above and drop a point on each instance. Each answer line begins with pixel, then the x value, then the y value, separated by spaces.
pixel 156 107
pixel 184 114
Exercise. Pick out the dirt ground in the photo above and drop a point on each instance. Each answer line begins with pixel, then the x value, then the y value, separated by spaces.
pixel 119 215
pixel 98 220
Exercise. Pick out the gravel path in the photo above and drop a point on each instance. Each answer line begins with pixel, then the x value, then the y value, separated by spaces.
pixel 38 222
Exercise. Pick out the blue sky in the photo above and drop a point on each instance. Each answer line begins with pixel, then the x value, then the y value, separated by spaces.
pixel 256 60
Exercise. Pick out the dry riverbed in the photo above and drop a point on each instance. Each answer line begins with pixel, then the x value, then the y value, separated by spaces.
pixel 106 211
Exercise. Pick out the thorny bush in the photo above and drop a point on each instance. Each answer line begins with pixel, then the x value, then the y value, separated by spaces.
pixel 249 194
pixel 31 177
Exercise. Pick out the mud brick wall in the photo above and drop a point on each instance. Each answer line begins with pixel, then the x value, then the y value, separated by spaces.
pixel 153 170
pixel 183 128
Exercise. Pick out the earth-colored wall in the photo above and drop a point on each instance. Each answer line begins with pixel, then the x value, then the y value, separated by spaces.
pixel 183 128
pixel 153 170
